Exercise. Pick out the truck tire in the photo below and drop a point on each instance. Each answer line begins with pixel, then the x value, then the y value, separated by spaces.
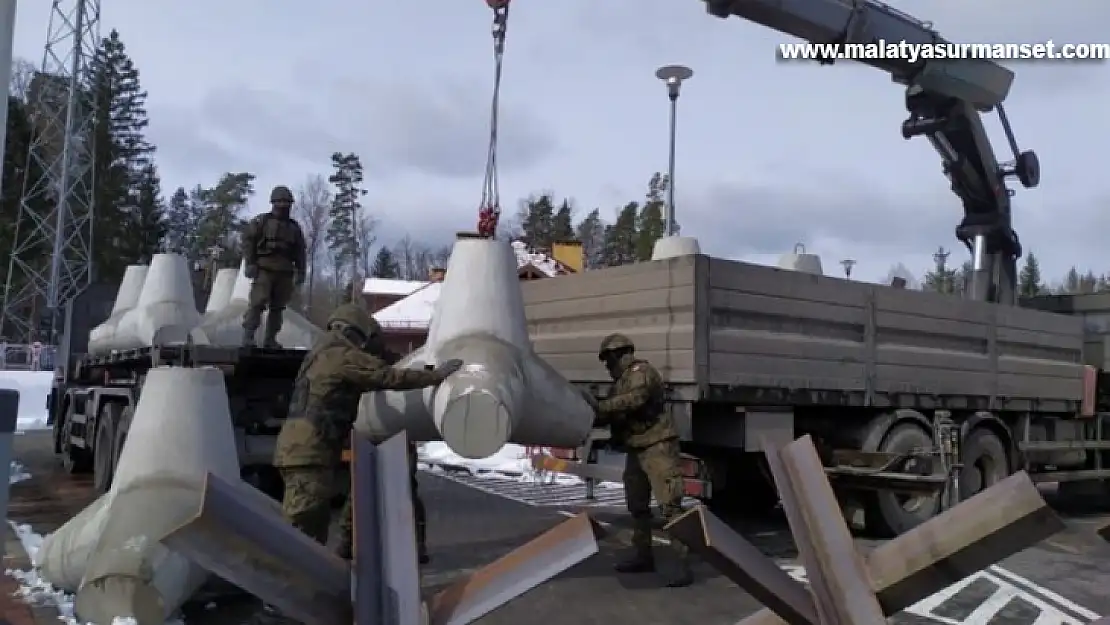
pixel 121 436
pixel 104 456
pixel 985 462
pixel 890 514
pixel 75 460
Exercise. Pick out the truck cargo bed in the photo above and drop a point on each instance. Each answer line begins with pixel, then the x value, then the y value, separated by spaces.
pixel 727 330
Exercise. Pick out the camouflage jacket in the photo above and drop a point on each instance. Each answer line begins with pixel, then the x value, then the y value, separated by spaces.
pixel 325 399
pixel 274 244
pixel 635 410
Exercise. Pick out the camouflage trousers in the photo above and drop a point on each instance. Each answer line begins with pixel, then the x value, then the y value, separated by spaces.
pixel 653 470
pixel 271 290
pixel 306 504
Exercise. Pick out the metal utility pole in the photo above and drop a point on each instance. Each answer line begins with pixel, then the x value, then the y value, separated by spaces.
pixel 848 264
pixel 673 76
pixel 51 260
pixel 940 257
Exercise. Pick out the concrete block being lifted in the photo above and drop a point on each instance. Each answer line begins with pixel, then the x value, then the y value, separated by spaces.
pixel 166 311
pixel 504 393
pixel 102 338
pixel 180 432
pixel 224 327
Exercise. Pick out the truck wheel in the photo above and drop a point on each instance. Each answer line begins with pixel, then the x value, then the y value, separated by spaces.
pixel 75 460
pixel 890 514
pixel 985 462
pixel 121 436
pixel 104 461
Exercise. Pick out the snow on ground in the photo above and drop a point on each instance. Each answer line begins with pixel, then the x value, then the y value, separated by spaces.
pixel 17 473
pixel 34 387
pixel 512 462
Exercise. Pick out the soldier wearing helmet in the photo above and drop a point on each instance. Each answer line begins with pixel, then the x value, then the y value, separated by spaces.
pixel 348 361
pixel 274 251
pixel 639 422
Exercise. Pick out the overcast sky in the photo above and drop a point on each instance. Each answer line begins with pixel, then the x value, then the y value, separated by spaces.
pixel 770 154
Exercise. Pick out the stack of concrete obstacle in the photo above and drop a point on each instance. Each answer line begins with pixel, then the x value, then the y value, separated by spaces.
pixel 155 306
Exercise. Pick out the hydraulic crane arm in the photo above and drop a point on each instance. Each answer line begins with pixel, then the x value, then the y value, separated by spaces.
pixel 944 98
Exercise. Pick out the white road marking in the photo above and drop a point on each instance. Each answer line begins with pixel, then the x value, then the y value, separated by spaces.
pixel 1046 593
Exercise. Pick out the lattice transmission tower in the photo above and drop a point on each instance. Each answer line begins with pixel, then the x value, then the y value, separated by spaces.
pixel 51 260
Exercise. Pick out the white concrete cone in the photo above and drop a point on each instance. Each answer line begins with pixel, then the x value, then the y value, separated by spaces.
pixel 222 287
pixel 675 247
pixel 504 393
pixel 102 337
pixel 225 326
pixel 166 311
pixel 64 553
pixel 181 430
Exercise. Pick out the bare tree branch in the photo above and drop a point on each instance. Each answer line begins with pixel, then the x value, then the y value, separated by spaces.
pixel 311 210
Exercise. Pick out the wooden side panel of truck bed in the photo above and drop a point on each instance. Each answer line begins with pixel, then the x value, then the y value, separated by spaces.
pixel 710 323
pixel 784 329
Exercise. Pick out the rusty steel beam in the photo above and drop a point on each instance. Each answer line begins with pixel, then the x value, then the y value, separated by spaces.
pixel 976 533
pixel 237 535
pixel 744 565
pixel 837 577
pixel 514 574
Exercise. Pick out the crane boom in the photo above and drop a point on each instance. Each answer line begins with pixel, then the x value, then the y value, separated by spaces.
pixel 944 97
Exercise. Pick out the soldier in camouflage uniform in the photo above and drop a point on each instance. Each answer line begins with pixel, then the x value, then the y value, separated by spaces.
pixel 346 363
pixel 275 254
pixel 640 423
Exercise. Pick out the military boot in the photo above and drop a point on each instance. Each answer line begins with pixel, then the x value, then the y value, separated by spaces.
pixel 639 561
pixel 273 326
pixel 248 336
pixel 676 571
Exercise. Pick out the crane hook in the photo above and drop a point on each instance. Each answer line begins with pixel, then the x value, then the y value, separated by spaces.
pixel 489 211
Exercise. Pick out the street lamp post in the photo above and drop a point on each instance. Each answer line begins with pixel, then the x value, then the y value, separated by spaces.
pixel 673 76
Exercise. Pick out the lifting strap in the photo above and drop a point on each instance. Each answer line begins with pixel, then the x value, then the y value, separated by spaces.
pixel 489 211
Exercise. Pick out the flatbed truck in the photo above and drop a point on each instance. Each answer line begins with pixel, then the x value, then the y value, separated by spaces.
pixel 889 382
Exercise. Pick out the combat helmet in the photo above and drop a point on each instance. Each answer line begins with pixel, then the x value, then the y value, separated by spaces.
pixel 281 193
pixel 612 343
pixel 356 318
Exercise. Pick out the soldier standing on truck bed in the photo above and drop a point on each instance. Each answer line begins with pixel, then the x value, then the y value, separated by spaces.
pixel 640 424
pixel 275 253
pixel 343 365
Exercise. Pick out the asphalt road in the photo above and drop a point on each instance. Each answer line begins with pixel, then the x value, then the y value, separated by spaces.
pixel 474 520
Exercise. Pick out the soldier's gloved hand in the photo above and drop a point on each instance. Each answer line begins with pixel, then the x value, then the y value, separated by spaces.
pixel 251 272
pixel 447 367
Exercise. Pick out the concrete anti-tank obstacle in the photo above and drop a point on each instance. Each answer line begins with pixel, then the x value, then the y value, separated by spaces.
pixel 222 288
pixel 181 431
pixel 224 327
pixel 102 338
pixel 505 393
pixel 166 311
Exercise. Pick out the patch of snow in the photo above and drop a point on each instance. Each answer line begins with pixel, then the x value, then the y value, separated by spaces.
pixel 33 387
pixel 414 312
pixel 385 286
pixel 543 263
pixel 17 473
pixel 36 591
pixel 511 462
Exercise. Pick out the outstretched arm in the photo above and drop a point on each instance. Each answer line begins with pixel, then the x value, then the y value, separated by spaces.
pixel 372 374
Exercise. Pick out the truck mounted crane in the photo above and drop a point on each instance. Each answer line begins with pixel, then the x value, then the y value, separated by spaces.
pixel 944 97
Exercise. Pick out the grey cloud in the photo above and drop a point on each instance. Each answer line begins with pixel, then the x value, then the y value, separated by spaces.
pixel 438 129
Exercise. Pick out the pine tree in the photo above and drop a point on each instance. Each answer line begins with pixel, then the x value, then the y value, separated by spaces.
pixel 223 221
pixel 126 195
pixel 386 265
pixel 621 236
pixel 1072 281
pixel 591 233
pixel 346 210
pixel 1088 282
pixel 537 221
pixel 650 226
pixel 1029 278
pixel 562 224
